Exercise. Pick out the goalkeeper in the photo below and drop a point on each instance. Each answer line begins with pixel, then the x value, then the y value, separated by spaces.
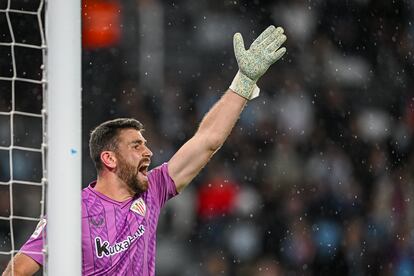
pixel 120 209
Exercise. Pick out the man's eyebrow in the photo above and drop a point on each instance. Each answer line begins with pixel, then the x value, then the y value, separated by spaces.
pixel 139 141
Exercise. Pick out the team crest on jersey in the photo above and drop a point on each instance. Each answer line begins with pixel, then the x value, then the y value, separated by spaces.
pixel 39 228
pixel 139 207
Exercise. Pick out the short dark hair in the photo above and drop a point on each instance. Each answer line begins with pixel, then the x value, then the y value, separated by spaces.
pixel 105 137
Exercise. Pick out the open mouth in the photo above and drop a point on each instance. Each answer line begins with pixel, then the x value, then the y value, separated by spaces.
pixel 143 169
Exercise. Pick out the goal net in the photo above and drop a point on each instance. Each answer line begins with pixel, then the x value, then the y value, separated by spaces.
pixel 22 123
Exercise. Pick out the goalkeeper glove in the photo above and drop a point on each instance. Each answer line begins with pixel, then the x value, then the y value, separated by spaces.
pixel 255 61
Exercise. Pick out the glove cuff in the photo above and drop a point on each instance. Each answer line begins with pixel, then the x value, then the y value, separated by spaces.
pixel 244 86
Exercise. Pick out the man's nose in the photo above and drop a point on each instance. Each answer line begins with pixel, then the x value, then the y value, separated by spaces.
pixel 147 152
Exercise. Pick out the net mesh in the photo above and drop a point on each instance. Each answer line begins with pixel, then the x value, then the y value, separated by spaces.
pixel 22 123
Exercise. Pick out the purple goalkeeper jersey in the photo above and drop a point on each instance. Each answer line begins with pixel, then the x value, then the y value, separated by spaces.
pixel 118 238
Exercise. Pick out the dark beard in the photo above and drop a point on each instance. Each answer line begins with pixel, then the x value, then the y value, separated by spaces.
pixel 129 174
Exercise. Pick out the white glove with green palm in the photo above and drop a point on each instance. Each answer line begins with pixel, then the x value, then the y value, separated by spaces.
pixel 255 61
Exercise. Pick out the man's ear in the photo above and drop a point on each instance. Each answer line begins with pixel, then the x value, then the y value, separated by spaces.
pixel 108 159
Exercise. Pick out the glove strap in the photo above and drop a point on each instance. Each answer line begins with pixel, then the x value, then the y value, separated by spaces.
pixel 244 86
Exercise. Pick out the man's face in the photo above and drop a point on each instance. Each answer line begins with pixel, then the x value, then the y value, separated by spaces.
pixel 133 159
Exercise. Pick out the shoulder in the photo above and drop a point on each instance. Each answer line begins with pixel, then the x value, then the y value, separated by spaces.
pixel 158 171
pixel 87 194
pixel 161 185
pixel 160 174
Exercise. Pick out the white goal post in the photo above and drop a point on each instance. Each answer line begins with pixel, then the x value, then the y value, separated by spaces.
pixel 64 152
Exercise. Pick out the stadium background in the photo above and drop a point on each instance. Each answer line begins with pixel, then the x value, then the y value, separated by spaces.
pixel 316 178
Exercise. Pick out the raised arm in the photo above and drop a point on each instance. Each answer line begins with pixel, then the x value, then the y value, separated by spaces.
pixel 23 266
pixel 219 121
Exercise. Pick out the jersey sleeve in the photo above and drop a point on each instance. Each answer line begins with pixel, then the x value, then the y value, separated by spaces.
pixel 33 247
pixel 162 186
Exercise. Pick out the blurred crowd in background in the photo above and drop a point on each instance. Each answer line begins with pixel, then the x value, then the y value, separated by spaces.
pixel 317 178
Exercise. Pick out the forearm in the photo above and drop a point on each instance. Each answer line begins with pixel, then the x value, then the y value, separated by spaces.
pixel 23 266
pixel 220 120
pixel 211 134
pixel 8 272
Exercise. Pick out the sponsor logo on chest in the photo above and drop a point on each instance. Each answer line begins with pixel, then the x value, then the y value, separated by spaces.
pixel 103 248
pixel 139 207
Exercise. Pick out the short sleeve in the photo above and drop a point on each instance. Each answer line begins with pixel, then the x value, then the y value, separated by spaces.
pixel 162 186
pixel 33 247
